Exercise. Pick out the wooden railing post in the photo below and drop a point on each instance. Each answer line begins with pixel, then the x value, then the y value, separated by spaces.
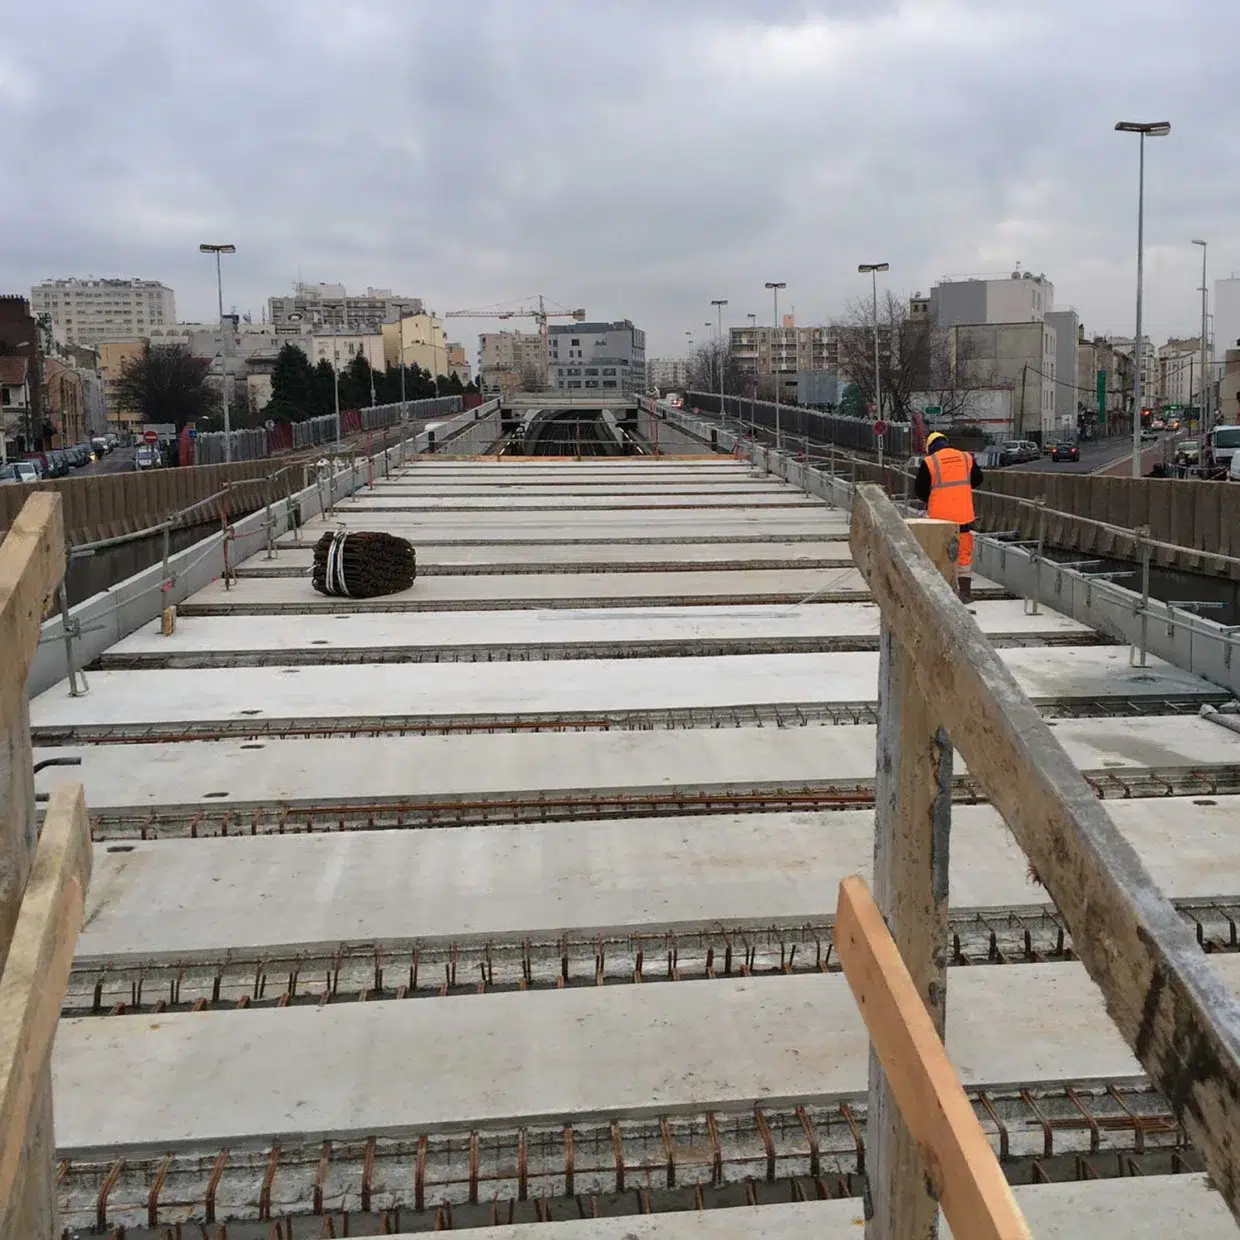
pixel 912 821
pixel 32 561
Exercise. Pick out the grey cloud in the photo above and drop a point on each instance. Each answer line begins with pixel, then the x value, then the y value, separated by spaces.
pixel 637 157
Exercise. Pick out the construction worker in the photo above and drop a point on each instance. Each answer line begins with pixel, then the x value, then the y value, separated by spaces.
pixel 945 481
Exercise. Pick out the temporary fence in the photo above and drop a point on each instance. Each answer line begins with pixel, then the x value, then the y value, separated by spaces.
pixel 249 445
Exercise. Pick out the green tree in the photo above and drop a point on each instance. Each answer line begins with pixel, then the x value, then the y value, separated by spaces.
pixel 292 387
pixel 166 383
pixel 355 383
pixel 852 402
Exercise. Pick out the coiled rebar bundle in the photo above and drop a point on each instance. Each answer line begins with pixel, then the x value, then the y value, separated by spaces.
pixel 363 564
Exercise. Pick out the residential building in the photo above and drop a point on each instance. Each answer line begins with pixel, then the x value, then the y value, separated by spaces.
pixel 1149 365
pixel 764 355
pixel 1019 355
pixel 14 406
pixel 1104 386
pixel 1067 325
pixel 668 374
pixel 1180 380
pixel 1226 315
pixel 91 311
pixel 417 339
pixel 458 363
pixel 1229 388
pixel 511 361
pixel 1022 297
pixel 19 337
pixel 329 307
pixel 114 356
pixel 597 355
pixel 340 348
pixel 64 402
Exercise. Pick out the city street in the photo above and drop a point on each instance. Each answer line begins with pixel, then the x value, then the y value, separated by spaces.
pixel 118 461
pixel 1094 456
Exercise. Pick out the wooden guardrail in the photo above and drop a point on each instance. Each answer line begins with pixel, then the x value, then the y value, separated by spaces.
pixel 43 879
pixel 942 688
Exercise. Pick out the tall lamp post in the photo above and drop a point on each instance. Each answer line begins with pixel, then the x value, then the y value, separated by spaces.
pixel 719 303
pixel 1205 367
pixel 217 250
pixel 1145 129
pixel 873 269
pixel 775 286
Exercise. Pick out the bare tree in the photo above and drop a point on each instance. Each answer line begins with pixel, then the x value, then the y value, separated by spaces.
pixel 916 359
pixel 707 361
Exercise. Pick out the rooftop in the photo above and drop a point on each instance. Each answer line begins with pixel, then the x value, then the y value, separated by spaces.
pixel 620 730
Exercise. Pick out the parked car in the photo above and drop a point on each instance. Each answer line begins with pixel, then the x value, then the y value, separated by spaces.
pixel 19 471
pixel 146 457
pixel 114 441
pixel 100 446
pixel 1065 451
pixel 55 463
pixel 1018 452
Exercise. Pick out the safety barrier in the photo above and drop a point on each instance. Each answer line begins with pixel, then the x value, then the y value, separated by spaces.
pixel 942 687
pixel 43 878
pixel 249 445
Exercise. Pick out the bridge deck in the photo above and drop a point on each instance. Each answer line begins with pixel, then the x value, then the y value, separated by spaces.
pixel 649 760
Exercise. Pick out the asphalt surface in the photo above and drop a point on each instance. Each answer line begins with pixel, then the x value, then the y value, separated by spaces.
pixel 118 461
pixel 1095 455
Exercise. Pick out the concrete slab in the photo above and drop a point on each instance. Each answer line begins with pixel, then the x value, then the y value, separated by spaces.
pixel 1152 1207
pixel 570 505
pixel 173 898
pixel 358 631
pixel 567 491
pixel 550 558
pixel 584 688
pixel 398 1067
pixel 203 774
pixel 784 586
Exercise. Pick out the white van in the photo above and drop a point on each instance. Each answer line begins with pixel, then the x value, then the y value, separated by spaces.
pixel 1224 440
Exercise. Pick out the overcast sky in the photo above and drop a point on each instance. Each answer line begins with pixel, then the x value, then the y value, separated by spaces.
pixel 635 157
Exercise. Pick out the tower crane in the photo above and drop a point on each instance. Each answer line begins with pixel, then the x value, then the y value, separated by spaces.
pixel 540 313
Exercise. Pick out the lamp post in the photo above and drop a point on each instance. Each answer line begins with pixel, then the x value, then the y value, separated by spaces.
pixel 719 303
pixel 217 250
pixel 873 269
pixel 1205 368
pixel 1150 129
pixel 775 286
pixel 753 391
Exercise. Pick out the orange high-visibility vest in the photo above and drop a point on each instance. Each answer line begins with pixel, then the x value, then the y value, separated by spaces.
pixel 951 495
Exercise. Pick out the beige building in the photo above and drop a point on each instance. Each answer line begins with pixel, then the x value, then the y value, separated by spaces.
pixel 416 340
pixel 761 353
pixel 113 357
pixel 458 363
pixel 511 362
pixel 92 311
pixel 64 402
pixel 1017 355
pixel 340 348
pixel 1179 371
pixel 1099 358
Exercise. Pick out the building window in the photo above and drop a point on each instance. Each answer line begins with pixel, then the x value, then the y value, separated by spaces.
pixel 609 383
pixel 609 370
pixel 591 383
pixel 592 370
pixel 574 343
pixel 574 383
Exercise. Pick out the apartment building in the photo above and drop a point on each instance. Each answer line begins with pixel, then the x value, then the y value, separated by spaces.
pixel 1103 382
pixel 1021 356
pixel 766 355
pixel 329 307
pixel 458 362
pixel 114 355
pixel 511 361
pixel 1180 380
pixel 583 356
pixel 91 311
pixel 668 374
pixel 1021 297
pixel 1149 365
pixel 416 339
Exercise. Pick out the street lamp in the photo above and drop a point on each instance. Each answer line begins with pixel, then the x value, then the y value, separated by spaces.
pixel 1205 370
pixel 775 286
pixel 217 250
pixel 1150 129
pixel 873 269
pixel 719 303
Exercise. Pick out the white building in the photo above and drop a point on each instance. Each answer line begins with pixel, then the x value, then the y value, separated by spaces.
pixel 340 348
pixel 330 307
pixel 92 311
pixel 1226 315
pixel 1149 365
pixel 510 361
pixel 1180 372
pixel 668 374
pixel 1020 356
pixel 597 355
pixel 1021 297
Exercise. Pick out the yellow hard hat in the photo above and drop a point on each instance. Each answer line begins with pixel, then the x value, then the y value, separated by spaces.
pixel 934 437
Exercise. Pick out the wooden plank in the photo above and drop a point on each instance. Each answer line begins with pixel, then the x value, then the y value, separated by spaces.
pixel 955 1162
pixel 912 821
pixel 1180 1021
pixel 32 990
pixel 32 562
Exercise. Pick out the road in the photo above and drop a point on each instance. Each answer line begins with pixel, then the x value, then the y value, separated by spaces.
pixel 1094 455
pixel 118 461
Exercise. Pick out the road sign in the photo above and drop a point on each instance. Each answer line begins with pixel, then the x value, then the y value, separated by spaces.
pixel 150 437
pixel 880 429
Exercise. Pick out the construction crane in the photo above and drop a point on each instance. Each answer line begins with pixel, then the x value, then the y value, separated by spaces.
pixel 539 313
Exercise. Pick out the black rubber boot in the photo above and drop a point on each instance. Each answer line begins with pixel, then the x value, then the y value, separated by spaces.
pixel 964 587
